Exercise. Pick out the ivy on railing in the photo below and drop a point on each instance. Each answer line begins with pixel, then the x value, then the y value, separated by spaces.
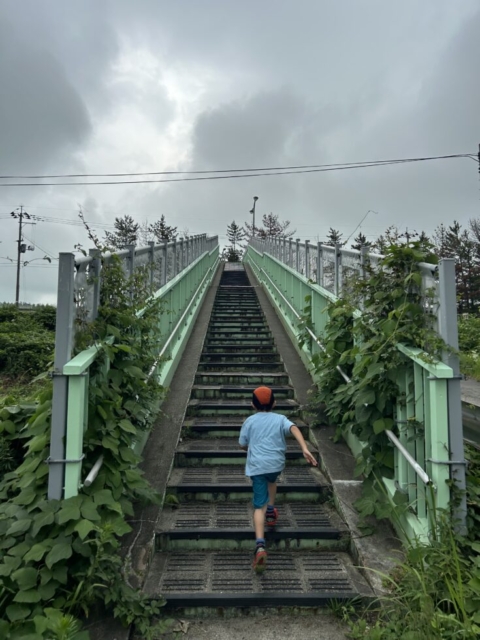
pixel 393 310
pixel 60 559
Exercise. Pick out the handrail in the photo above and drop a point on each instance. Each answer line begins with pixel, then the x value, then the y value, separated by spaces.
pixel 170 338
pixel 395 441
pixel 94 472
pixel 416 467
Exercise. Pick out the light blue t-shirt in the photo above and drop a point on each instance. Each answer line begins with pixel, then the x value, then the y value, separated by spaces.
pixel 264 434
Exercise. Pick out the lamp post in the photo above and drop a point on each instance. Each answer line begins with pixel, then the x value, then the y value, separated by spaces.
pixel 252 211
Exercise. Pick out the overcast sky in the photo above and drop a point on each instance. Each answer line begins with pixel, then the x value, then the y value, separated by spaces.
pixel 98 86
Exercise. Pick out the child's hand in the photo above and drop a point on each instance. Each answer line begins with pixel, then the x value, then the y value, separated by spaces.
pixel 309 457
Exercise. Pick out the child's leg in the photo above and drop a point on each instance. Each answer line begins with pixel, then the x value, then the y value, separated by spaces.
pixel 259 522
pixel 272 493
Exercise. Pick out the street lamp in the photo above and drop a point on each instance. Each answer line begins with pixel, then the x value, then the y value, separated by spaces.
pixel 252 211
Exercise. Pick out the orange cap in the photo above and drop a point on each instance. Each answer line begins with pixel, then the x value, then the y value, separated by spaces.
pixel 263 395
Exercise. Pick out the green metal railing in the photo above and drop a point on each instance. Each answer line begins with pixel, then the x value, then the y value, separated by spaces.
pixel 425 461
pixel 182 297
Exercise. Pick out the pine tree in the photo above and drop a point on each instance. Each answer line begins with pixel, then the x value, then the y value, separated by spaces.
pixel 360 241
pixel 272 227
pixel 161 231
pixel 391 236
pixel 333 237
pixel 235 234
pixel 126 232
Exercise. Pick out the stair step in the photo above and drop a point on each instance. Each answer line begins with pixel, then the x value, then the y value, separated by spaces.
pixel 225 364
pixel 210 525
pixel 224 427
pixel 226 346
pixel 247 378
pixel 287 407
pixel 236 392
pixel 226 579
pixel 228 482
pixel 215 451
pixel 247 357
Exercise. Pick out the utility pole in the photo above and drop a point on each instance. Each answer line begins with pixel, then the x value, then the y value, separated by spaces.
pixel 21 247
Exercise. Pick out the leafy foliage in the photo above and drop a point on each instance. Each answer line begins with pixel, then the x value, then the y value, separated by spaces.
pixel 60 560
pixel 27 340
pixel 435 593
pixel 272 227
pixel 364 347
pixel 126 232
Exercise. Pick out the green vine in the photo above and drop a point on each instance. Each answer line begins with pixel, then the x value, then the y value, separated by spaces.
pixel 60 560
pixel 364 345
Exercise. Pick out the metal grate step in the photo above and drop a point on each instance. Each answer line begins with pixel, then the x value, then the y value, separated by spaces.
pixel 217 578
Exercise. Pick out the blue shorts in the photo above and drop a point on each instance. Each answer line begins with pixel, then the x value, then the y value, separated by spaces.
pixel 260 488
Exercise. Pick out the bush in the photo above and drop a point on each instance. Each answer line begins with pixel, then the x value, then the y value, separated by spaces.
pixel 27 340
pixel 469 333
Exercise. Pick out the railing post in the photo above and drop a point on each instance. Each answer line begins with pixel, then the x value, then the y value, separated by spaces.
pixel 182 255
pixel 307 259
pixel 130 259
pixel 447 324
pixel 363 260
pixel 297 255
pixel 337 266
pixel 284 250
pixel 187 251
pixel 290 253
pixel 164 264
pixel 319 264
pixel 174 258
pixel 63 351
pixel 94 273
pixel 151 261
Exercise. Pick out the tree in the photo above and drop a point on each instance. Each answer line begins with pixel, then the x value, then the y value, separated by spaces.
pixel 161 231
pixel 391 236
pixel 272 227
pixel 235 234
pixel 360 241
pixel 333 237
pixel 229 254
pixel 126 232
pixel 458 243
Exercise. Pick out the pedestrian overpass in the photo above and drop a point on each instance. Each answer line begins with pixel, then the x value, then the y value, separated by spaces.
pixel 246 318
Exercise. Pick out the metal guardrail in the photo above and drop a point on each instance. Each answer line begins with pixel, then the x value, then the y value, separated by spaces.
pixel 189 260
pixel 429 390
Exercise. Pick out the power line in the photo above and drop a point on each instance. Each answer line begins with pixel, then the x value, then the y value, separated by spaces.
pixel 273 171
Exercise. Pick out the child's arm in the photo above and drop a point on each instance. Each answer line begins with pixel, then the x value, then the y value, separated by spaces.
pixel 297 434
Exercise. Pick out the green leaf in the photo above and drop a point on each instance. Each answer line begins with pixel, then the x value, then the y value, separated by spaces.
pixel 60 573
pixel 27 496
pixel 61 551
pixel 18 527
pixel 37 552
pixel 41 520
pixel 17 612
pixel 89 510
pixel 30 596
pixel 26 577
pixel 109 442
pixel 104 496
pixel 136 372
pixel 366 396
pixel 102 411
pixel 83 528
pixel 10 564
pixel 70 511
pixel 379 426
pixel 127 426
pixel 47 591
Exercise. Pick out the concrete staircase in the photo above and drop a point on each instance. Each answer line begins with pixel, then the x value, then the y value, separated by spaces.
pixel 205 543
